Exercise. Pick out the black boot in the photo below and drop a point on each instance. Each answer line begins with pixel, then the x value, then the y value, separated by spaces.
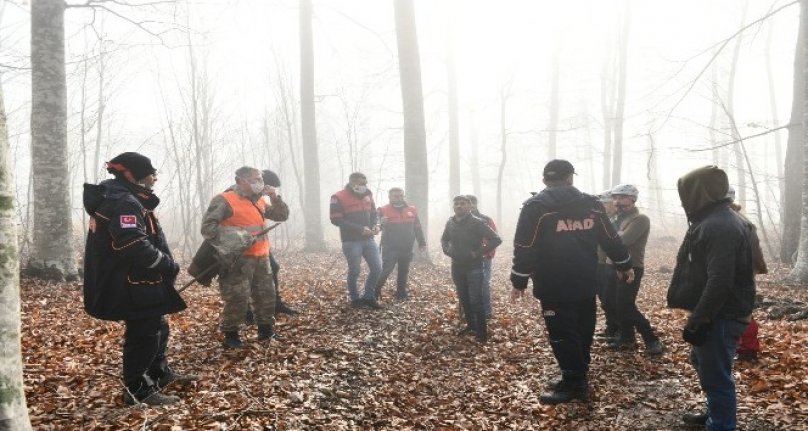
pixel 698 419
pixel 249 319
pixel 282 308
pixel 265 333
pixel 146 392
pixel 566 391
pixel 232 340
pixel 170 376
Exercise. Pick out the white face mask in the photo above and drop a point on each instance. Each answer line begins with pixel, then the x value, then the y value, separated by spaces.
pixel 257 188
pixel 359 189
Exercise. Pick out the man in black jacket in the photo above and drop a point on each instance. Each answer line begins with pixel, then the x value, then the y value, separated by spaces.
pixel 714 280
pixel 556 242
pixel 467 239
pixel 129 275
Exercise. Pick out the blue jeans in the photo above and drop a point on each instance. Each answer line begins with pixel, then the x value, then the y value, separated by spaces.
pixel 713 363
pixel 487 286
pixel 469 281
pixel 354 251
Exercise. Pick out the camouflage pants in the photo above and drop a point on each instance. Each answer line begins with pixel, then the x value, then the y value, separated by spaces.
pixel 249 278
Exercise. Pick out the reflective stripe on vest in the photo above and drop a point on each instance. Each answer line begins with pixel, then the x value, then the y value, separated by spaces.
pixel 249 216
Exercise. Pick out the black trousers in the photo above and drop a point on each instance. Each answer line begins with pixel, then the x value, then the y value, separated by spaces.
pixel 607 293
pixel 392 257
pixel 570 327
pixel 144 350
pixel 469 284
pixel 629 316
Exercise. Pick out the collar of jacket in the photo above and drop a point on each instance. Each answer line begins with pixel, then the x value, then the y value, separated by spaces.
pixel 147 198
pixel 707 210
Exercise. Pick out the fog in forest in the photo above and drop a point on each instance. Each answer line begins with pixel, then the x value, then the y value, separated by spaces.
pixel 633 92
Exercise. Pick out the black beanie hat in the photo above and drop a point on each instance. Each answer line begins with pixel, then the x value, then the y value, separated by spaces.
pixel 137 164
pixel 270 178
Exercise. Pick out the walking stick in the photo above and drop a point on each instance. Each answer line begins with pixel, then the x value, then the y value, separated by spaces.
pixel 216 265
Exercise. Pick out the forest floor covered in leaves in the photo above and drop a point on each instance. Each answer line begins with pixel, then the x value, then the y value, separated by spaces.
pixel 403 367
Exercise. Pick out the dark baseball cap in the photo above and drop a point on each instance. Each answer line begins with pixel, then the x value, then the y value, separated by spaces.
pixel 558 169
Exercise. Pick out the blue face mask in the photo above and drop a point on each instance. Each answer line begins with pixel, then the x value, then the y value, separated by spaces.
pixel 359 189
pixel 257 188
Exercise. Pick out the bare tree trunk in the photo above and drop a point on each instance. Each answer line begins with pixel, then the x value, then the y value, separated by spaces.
pixel 311 158
pixel 607 89
pixel 739 164
pixel 794 152
pixel 800 271
pixel 99 121
pixel 475 156
pixel 554 103
pixel 416 169
pixel 503 133
pixel 13 409
pixel 53 255
pixel 778 141
pixel 454 133
pixel 621 94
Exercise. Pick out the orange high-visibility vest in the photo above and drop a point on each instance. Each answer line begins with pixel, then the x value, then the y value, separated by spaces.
pixel 249 216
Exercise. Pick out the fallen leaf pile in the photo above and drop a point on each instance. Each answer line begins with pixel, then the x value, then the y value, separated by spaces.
pixel 404 367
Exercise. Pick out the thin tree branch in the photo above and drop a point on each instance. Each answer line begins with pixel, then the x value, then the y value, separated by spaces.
pixel 757 135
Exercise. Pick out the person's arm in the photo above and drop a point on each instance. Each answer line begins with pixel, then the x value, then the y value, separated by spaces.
pixel 720 252
pixel 525 245
pixel 638 227
pixel 277 210
pixel 130 240
pixel 337 216
pixel 610 241
pixel 445 241
pixel 218 210
pixel 492 240
pixel 419 232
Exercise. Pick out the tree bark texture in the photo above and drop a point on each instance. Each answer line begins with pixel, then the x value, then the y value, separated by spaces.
pixel 53 254
pixel 800 271
pixel 13 409
pixel 552 146
pixel 454 132
pixel 792 196
pixel 620 107
pixel 416 170
pixel 311 158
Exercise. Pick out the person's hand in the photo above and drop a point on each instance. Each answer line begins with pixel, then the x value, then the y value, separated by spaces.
pixel 366 231
pixel 627 276
pixel 517 294
pixel 270 191
pixel 696 334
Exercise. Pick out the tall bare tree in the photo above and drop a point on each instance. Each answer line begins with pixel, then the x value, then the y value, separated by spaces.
pixel 555 103
pixel 13 409
pixel 416 170
pixel 800 271
pixel 607 96
pixel 454 132
pixel 504 95
pixel 620 106
pixel 311 158
pixel 730 111
pixel 52 255
pixel 794 152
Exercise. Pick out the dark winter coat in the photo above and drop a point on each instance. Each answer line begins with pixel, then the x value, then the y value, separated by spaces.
pixel 124 242
pixel 714 275
pixel 556 243
pixel 467 241
pixel 401 227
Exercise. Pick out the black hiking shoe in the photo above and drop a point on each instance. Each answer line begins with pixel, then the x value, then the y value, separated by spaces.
pixel 148 395
pixel 232 340
pixel 565 392
pixel 249 319
pixel 265 333
pixel 696 419
pixel 285 309
pixel 655 348
pixel 170 377
pixel 373 305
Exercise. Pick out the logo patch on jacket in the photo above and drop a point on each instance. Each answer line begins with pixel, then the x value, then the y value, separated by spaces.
pixel 570 225
pixel 128 221
pixel 549 313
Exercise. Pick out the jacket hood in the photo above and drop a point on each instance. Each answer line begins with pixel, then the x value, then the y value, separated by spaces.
pixel 556 197
pixel 702 188
pixel 95 194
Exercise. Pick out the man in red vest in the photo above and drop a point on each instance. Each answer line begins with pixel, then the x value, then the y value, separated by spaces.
pixel 354 212
pixel 241 211
pixel 400 229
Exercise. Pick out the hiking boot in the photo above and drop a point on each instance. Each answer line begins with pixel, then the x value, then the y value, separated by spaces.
pixel 698 419
pixel 170 377
pixel 466 331
pixel 148 395
pixel 566 391
pixel 232 340
pixel 285 309
pixel 249 319
pixel 358 303
pixel 622 345
pixel 654 348
pixel 481 338
pixel 265 333
pixel 373 305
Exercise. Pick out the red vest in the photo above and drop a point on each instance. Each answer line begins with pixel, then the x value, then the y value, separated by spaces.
pixel 393 215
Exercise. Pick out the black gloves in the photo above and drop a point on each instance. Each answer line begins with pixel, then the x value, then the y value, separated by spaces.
pixel 519 282
pixel 696 334
pixel 168 267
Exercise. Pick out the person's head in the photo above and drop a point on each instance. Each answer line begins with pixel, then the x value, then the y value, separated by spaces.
pixel 462 206
pixel 472 202
pixel 396 196
pixel 625 197
pixel 270 178
pixel 558 173
pixel 133 167
pixel 249 180
pixel 358 182
pixel 605 198
pixel 701 188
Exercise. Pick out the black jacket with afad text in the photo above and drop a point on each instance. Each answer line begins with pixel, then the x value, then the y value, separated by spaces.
pixel 556 242
pixel 125 243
